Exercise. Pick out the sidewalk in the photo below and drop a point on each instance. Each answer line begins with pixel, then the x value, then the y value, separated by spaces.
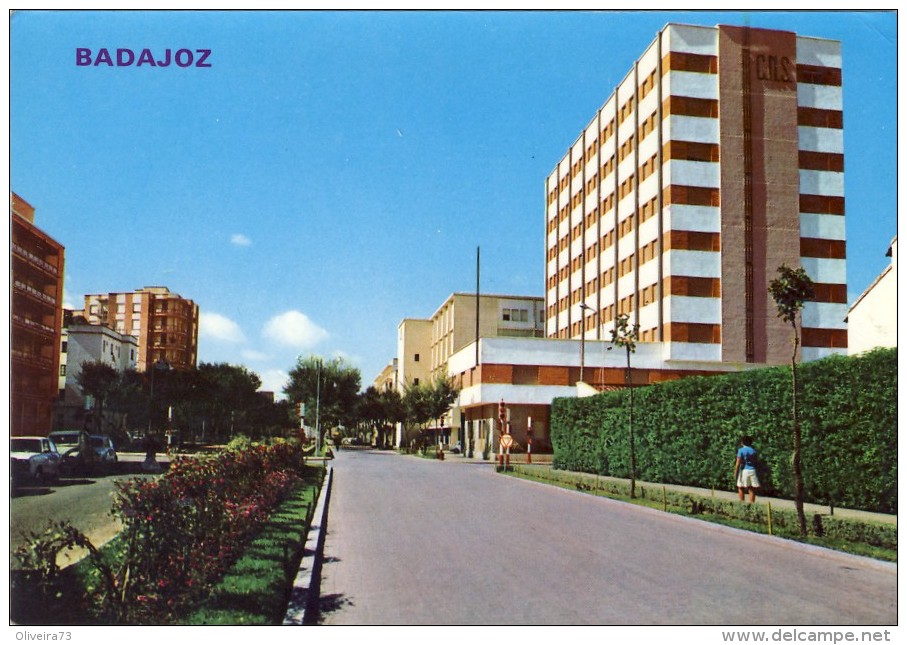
pixel 777 502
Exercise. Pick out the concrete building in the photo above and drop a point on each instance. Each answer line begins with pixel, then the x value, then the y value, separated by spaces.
pixel 425 345
pixel 873 317
pixel 718 158
pixel 527 374
pixel 387 379
pixel 36 282
pixel 456 323
pixel 165 324
pixel 90 343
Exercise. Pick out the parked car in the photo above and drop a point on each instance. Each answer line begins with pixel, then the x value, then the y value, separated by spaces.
pixel 65 440
pixel 34 457
pixel 68 444
pixel 103 448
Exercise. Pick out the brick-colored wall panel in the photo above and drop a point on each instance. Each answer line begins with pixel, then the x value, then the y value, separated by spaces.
pixel 811 247
pixel 814 337
pixel 688 62
pixel 830 161
pixel 822 204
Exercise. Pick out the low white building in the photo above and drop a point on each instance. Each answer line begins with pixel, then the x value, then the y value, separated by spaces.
pixel 873 318
pixel 90 343
pixel 527 374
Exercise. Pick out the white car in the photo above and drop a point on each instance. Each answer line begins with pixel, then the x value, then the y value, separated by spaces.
pixel 35 457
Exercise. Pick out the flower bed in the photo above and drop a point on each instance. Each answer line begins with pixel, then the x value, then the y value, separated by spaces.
pixel 181 531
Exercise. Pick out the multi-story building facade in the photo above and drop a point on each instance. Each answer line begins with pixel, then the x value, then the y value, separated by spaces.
pixel 425 345
pixel 36 310
pixel 165 324
pixel 387 379
pixel 717 159
pixel 90 343
pixel 456 324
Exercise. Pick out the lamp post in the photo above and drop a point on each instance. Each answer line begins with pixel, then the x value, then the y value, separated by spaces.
pixel 159 364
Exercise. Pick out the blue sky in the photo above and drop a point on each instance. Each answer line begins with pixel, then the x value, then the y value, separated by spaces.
pixel 333 172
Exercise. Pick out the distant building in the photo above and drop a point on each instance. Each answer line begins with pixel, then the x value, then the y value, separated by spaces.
pixel 36 280
pixel 873 317
pixel 165 324
pixel 718 158
pixel 90 343
pixel 387 379
pixel 413 352
pixel 425 345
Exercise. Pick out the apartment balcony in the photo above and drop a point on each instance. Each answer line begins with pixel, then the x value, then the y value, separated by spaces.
pixel 33 292
pixel 34 326
pixel 34 260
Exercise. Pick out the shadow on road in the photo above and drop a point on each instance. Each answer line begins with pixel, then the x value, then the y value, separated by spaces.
pixel 332 603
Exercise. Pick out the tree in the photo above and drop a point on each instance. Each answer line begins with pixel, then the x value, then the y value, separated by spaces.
pixel 329 390
pixel 97 380
pixel 394 411
pixel 625 335
pixel 423 403
pixel 442 395
pixel 128 399
pixel 790 290
pixel 222 395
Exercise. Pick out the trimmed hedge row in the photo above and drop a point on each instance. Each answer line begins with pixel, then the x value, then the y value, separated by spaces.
pixel 687 431
pixel 784 521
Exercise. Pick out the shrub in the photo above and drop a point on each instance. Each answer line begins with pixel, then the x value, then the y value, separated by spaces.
pixel 687 430
pixel 180 531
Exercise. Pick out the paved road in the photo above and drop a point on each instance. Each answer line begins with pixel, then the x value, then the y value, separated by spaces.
pixel 413 541
pixel 85 502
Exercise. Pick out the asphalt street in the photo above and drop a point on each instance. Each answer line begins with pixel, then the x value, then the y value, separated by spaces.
pixel 414 541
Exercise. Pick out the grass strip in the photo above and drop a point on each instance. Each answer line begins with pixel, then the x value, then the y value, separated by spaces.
pixel 256 589
pixel 850 536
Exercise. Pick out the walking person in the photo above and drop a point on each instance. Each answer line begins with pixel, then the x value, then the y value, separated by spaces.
pixel 745 470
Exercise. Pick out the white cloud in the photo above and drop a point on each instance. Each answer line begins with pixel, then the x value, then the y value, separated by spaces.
pixel 274 381
pixel 240 240
pixel 295 329
pixel 253 355
pixel 217 327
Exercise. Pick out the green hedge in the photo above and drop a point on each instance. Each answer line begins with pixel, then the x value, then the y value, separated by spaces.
pixel 686 431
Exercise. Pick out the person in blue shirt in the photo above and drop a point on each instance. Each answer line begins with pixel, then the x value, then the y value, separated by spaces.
pixel 745 470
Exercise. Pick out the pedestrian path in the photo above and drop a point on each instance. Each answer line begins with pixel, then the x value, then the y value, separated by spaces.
pixel 776 502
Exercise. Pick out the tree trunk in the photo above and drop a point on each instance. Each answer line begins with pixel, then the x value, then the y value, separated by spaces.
pixel 632 441
pixel 796 459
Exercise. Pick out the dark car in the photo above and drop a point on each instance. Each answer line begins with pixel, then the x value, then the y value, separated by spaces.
pixel 68 443
pixel 103 448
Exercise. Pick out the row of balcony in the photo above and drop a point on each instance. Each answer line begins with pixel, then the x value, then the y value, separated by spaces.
pixel 32 358
pixel 33 324
pixel 36 293
pixel 34 259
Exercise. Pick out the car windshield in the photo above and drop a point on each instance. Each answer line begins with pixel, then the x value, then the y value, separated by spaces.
pixel 25 445
pixel 98 442
pixel 65 438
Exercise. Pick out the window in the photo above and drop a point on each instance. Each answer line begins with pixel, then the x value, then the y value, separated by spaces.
pixel 415 381
pixel 63 370
pixel 416 358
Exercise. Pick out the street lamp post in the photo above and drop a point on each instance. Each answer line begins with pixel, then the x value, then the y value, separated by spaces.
pixel 159 364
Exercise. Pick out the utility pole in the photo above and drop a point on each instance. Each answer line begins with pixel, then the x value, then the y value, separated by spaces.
pixel 318 407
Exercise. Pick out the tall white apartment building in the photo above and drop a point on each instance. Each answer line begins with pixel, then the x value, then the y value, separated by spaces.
pixel 718 158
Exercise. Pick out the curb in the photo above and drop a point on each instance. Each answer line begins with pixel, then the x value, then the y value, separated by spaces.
pixel 306 591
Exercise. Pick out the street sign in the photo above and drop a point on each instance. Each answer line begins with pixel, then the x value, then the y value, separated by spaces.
pixel 506 440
